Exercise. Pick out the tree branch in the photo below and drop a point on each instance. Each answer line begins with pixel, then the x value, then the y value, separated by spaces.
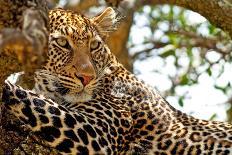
pixel 23 41
pixel 23 36
pixel 218 12
pixel 196 40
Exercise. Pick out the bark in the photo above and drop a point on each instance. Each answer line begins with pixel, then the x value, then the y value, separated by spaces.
pixel 23 36
pixel 229 111
pixel 23 42
pixel 218 12
pixel 82 5
pixel 118 41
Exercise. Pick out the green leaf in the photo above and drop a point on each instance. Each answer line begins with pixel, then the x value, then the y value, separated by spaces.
pixel 181 101
pixel 213 117
pixel 182 18
pixel 171 13
pixel 190 56
pixel 167 53
pixel 212 29
pixel 223 89
pixel 229 114
pixel 209 71
pixel 184 80
pixel 173 39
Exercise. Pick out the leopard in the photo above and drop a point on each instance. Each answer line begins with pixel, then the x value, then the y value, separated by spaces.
pixel 86 102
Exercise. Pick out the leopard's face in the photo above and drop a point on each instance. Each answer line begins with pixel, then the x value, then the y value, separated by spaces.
pixel 77 55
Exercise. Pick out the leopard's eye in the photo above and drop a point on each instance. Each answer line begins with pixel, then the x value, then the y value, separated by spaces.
pixel 94 44
pixel 62 42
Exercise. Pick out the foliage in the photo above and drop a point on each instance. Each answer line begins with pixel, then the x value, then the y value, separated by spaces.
pixel 187 46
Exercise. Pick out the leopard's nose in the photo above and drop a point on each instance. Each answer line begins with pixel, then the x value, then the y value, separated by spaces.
pixel 85 79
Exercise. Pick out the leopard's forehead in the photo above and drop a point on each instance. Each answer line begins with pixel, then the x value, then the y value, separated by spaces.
pixel 67 22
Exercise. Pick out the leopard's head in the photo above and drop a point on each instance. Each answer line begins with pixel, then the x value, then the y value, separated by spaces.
pixel 77 56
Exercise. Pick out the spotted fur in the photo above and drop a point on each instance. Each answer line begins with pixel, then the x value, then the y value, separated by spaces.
pixel 90 104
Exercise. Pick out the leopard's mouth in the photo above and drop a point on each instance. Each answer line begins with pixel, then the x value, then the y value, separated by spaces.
pixel 72 94
pixel 63 90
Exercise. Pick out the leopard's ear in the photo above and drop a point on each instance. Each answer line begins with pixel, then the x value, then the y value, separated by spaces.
pixel 107 21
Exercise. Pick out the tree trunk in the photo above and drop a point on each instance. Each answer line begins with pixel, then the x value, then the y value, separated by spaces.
pixel 118 41
pixel 23 42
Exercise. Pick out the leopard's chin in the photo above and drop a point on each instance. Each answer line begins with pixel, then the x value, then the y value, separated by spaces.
pixel 78 97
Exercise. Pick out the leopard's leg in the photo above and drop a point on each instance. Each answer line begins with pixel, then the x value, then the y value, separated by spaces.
pixel 54 124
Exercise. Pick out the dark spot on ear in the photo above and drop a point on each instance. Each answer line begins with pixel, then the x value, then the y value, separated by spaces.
pixel 65 146
pixel 20 94
pixel 38 102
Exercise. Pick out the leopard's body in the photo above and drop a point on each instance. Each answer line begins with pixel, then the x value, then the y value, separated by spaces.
pixel 98 106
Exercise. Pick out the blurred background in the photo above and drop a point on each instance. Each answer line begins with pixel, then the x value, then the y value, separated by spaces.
pixel 174 50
